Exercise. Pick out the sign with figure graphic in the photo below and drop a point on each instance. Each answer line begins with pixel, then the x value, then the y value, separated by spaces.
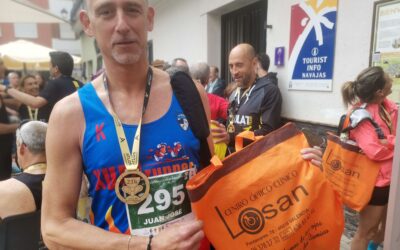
pixel 312 45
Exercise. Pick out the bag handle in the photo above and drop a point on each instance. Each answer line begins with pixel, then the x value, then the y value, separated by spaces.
pixel 248 135
pixel 358 115
pixel 216 162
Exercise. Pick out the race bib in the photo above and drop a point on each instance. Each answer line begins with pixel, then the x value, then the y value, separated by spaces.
pixel 167 203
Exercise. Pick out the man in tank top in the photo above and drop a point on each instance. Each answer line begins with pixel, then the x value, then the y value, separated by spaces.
pixel 95 128
pixel 23 192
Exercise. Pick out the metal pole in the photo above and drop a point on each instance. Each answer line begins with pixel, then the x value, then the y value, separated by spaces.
pixel 392 231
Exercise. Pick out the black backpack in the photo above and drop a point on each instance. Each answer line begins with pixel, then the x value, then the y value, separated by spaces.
pixel 189 98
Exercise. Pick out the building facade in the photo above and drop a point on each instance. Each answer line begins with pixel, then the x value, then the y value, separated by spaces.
pixel 56 36
pixel 202 30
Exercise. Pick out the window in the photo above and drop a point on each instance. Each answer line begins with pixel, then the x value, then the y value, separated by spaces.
pixel 25 30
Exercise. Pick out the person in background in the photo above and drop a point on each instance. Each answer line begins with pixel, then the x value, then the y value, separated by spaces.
pixel 30 86
pixel 256 103
pixel 6 141
pixel 23 192
pixel 218 105
pixel 181 64
pixel 41 80
pixel 11 103
pixel 230 88
pixel 159 64
pixel 370 90
pixel 263 62
pixel 62 65
pixel 3 79
pixel 13 79
pixel 215 84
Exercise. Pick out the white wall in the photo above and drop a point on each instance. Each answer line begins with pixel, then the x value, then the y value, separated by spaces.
pixel 89 55
pixel 178 32
pixel 192 29
pixel 353 36
pixel 71 46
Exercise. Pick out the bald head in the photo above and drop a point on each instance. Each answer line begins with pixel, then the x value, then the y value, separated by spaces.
pixel 243 65
pixel 244 50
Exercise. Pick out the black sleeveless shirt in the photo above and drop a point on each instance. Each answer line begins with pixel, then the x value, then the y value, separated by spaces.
pixel 34 183
pixel 5 145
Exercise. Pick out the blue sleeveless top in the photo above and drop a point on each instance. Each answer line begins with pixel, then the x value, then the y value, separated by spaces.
pixel 167 145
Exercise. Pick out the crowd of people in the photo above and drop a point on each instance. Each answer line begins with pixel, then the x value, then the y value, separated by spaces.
pixel 96 129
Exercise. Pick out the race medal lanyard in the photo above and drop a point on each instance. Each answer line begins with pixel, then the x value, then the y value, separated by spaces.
pixel 132 186
pixel 233 111
pixel 33 113
pixel 37 166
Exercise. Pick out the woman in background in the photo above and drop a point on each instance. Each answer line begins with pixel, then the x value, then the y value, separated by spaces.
pixel 371 88
pixel 41 80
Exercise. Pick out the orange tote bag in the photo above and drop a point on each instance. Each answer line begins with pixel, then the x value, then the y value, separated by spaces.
pixel 267 197
pixel 350 172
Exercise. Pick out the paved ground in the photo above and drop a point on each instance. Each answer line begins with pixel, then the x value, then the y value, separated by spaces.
pixel 351 222
pixel 345 243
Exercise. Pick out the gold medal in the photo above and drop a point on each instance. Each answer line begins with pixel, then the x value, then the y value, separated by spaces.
pixel 231 128
pixel 132 187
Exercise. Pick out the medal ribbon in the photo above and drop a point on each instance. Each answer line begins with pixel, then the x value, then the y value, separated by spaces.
pixel 33 116
pixel 38 166
pixel 131 160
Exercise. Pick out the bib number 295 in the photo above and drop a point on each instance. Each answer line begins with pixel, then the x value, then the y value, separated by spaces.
pixel 163 199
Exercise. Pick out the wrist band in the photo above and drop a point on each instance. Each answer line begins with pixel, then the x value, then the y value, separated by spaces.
pixel 149 244
pixel 129 241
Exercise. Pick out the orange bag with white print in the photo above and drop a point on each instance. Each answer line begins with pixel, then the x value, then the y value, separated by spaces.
pixel 267 197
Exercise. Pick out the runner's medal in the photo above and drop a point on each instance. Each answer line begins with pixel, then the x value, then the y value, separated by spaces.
pixel 132 186
pixel 231 128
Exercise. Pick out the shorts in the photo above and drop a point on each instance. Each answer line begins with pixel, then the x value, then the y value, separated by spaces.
pixel 380 196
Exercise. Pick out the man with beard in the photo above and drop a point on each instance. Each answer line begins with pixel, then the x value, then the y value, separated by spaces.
pixel 256 103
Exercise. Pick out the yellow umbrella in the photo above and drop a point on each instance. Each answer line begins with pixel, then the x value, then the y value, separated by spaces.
pixel 25 55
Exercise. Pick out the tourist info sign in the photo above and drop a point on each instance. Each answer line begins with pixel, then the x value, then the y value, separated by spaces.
pixel 312 45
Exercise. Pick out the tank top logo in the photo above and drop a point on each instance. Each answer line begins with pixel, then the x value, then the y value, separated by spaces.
pixel 99 132
pixel 183 122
